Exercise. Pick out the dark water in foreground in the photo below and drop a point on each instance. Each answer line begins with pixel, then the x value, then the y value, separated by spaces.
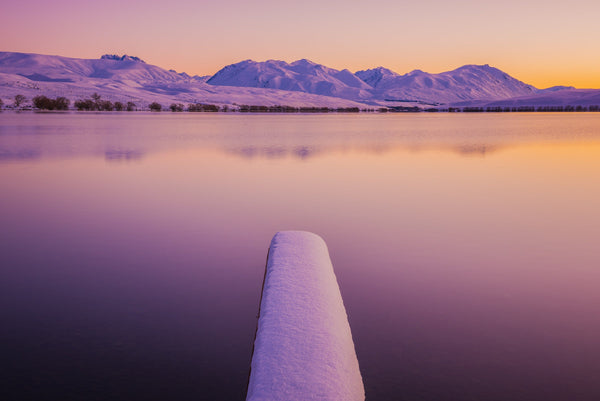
pixel 132 250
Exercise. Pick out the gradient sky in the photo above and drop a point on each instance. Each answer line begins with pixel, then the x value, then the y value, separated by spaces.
pixel 541 42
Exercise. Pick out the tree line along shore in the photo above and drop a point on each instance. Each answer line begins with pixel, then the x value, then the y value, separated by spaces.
pixel 96 103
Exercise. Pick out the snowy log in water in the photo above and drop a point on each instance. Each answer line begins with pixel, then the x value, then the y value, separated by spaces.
pixel 303 348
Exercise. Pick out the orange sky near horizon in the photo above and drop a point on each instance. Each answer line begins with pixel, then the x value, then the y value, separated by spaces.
pixel 540 43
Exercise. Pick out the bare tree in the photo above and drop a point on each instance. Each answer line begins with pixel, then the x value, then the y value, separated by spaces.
pixel 97 102
pixel 154 106
pixel 44 103
pixel 176 107
pixel 19 99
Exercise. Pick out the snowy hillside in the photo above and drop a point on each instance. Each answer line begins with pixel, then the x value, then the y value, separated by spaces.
pixel 126 78
pixel 301 76
pixel 555 89
pixel 270 83
pixel 42 68
pixel 469 82
pixel 557 97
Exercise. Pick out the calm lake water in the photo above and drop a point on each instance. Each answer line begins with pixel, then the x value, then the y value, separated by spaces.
pixel 132 250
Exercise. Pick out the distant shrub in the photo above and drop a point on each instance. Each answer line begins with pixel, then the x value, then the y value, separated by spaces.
pixel 44 103
pixel 62 103
pixel 119 106
pixel 200 107
pixel 1 103
pixel 552 108
pixel 105 105
pixel 283 109
pixel 254 109
pixel 93 104
pixel 19 99
pixel 492 109
pixel 154 106
pixel 79 105
pixel 87 104
pixel 130 106
pixel 176 107
pixel 316 110
pixel 405 109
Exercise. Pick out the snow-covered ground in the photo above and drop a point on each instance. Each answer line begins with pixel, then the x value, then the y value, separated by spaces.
pixel 562 97
pixel 131 80
pixel 303 348
pixel 302 83
pixel 465 83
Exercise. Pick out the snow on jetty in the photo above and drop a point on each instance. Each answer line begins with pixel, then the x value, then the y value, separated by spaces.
pixel 303 348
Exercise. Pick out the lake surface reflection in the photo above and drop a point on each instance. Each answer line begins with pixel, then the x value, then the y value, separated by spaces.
pixel 132 250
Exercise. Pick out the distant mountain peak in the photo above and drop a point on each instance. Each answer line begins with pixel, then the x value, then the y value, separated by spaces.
pixel 385 70
pixel 124 57
pixel 304 61
pixel 557 88
pixel 374 75
pixel 475 66
pixel 300 76
pixel 378 70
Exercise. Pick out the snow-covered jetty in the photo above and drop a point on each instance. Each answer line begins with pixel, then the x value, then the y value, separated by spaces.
pixel 303 348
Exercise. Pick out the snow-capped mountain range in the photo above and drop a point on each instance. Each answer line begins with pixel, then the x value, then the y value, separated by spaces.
pixel 300 76
pixel 272 82
pixel 125 78
pixel 470 82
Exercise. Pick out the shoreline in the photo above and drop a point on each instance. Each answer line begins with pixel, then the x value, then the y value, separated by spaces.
pixel 324 110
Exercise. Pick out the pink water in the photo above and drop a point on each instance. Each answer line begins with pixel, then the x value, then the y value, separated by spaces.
pixel 132 250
